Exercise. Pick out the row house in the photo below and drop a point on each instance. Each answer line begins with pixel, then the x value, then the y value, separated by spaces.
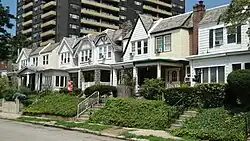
pixel 220 50
pixel 85 61
pixel 176 49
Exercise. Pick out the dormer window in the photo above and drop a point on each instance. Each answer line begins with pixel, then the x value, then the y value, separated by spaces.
pixel 105 52
pixel 45 59
pixel 35 61
pixel 24 63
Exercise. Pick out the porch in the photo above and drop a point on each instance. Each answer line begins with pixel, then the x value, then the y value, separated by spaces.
pixel 170 71
pixel 95 76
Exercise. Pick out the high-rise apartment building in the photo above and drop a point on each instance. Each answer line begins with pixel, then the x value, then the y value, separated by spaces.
pixel 48 21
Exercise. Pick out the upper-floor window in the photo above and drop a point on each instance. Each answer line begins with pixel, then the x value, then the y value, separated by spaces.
pixel 86 55
pixel 216 36
pixel 141 47
pixel 74 6
pixel 137 3
pixel 234 35
pixel 163 43
pixel 45 59
pixel 65 58
pixel 73 26
pixel 35 61
pixel 24 63
pixel 105 52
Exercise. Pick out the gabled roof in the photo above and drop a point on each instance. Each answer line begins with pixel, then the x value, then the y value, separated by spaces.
pixel 51 47
pixel 182 20
pixel 147 21
pixel 213 14
pixel 113 36
pixel 70 43
pixel 88 38
pixel 36 51
pixel 25 51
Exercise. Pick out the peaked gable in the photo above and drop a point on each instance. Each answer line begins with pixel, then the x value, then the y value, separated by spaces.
pixel 102 40
pixel 85 40
pixel 63 44
pixel 24 52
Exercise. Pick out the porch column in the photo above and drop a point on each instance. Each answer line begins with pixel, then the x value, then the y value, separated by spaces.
pixel 97 76
pixel 111 78
pixel 158 70
pixel 135 75
pixel 27 80
pixel 114 72
pixel 19 79
pixel 178 75
pixel 79 79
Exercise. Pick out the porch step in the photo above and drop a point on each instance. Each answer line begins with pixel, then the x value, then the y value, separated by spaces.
pixel 184 117
pixel 85 116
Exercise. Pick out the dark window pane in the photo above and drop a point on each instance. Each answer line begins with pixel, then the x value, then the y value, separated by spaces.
pixel 247 66
pixel 221 74
pixel 205 75
pixel 213 74
pixel 236 67
pixel 62 81
pixel 57 81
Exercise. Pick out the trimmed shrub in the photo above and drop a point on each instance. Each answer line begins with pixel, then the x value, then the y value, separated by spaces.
pixel 203 95
pixel 26 91
pixel 103 90
pixel 54 104
pixel 214 125
pixel 211 95
pixel 239 85
pixel 181 96
pixel 136 114
pixel 77 92
pixel 63 91
pixel 152 89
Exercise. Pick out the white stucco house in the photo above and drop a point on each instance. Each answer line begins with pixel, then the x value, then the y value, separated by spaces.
pixel 219 52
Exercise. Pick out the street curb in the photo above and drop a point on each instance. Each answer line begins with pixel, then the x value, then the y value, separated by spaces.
pixel 77 130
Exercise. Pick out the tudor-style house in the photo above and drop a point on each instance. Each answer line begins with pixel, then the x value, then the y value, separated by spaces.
pixel 220 50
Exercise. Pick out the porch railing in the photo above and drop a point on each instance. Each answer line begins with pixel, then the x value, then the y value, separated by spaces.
pixel 87 103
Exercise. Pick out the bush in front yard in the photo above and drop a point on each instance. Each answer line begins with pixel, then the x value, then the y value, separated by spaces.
pixel 152 89
pixel 203 95
pixel 239 85
pixel 103 90
pixel 54 104
pixel 214 125
pixel 136 114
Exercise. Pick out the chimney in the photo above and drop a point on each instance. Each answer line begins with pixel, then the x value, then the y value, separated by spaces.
pixel 198 13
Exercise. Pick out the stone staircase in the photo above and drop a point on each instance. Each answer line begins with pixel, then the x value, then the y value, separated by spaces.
pixel 85 116
pixel 184 117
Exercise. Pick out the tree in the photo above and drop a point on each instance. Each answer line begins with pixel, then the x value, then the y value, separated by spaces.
pixel 237 13
pixel 17 43
pixel 5 18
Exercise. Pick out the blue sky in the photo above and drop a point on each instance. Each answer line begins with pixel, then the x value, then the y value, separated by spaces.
pixel 189 6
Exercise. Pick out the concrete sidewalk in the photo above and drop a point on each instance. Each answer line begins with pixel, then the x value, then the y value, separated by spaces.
pixel 9 115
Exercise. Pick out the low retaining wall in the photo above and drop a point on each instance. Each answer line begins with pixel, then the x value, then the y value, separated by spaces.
pixel 11 106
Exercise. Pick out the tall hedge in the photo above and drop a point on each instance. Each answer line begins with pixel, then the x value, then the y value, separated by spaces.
pixel 203 95
pixel 239 85
pixel 136 114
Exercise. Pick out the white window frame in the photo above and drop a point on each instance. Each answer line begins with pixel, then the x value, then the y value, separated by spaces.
pixel 164 45
pixel 45 59
pixel 65 58
pixel 60 79
pixel 215 40
pixel 209 74
pixel 104 51
pixel 86 55
pixel 35 61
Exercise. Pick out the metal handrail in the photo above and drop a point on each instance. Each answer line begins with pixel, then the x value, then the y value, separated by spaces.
pixel 88 103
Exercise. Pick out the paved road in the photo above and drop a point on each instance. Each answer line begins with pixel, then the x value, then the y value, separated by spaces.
pixel 15 131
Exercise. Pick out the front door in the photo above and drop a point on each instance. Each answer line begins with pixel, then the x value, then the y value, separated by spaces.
pixel 172 77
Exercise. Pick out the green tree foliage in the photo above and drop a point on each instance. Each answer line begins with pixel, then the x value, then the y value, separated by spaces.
pixel 152 89
pixel 5 18
pixel 17 43
pixel 237 13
